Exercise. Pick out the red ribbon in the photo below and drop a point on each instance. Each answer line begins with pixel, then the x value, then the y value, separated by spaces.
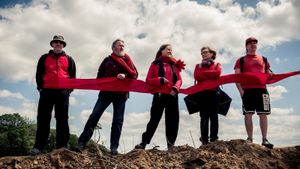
pixel 114 84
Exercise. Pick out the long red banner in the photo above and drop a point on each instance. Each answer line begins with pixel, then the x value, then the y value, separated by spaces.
pixel 113 84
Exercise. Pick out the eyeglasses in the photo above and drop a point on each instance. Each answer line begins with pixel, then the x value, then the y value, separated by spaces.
pixel 205 51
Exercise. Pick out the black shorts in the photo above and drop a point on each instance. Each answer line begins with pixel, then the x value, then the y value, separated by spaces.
pixel 256 100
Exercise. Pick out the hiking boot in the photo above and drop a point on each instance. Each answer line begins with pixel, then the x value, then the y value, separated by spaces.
pixel 203 141
pixel 213 140
pixel 141 146
pixel 114 152
pixel 34 152
pixel 249 140
pixel 80 147
pixel 267 144
pixel 170 147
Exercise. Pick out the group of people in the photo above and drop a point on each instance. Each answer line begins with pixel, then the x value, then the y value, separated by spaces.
pixel 165 69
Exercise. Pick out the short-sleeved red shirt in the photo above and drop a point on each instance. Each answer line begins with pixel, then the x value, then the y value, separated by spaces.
pixel 252 63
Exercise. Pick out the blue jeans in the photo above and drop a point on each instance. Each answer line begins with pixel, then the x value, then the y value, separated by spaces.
pixel 117 123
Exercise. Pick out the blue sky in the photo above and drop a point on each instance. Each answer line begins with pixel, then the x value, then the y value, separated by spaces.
pixel 89 27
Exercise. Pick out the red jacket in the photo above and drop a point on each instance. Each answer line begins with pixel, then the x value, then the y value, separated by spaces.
pixel 153 77
pixel 51 66
pixel 205 73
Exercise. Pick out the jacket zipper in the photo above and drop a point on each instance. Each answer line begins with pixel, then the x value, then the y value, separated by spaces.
pixel 56 67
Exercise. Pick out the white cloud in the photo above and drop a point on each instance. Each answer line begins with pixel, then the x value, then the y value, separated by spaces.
pixel 72 100
pixel 234 114
pixel 276 92
pixel 8 94
pixel 188 25
pixel 279 112
pixel 27 109
pixel 84 115
pixel 230 127
pixel 23 106
pixel 6 110
pixel 90 26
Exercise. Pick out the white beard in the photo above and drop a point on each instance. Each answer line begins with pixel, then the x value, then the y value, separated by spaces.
pixel 121 54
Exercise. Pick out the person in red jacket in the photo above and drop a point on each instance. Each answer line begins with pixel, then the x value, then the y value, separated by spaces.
pixel 208 69
pixel 53 65
pixel 255 97
pixel 164 70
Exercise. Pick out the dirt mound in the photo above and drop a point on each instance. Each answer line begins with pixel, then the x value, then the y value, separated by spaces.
pixel 221 154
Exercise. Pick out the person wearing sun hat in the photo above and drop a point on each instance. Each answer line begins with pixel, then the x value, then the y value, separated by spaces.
pixel 52 65
pixel 255 97
pixel 58 38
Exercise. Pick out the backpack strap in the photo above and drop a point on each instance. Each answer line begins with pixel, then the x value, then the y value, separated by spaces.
pixel 266 62
pixel 242 60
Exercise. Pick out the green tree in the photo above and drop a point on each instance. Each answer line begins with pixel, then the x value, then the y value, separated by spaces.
pixel 15 138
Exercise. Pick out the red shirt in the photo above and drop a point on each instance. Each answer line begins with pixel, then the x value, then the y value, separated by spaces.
pixel 205 73
pixel 252 63
pixel 154 79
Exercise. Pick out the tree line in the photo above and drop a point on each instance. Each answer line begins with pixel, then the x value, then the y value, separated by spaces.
pixel 17 135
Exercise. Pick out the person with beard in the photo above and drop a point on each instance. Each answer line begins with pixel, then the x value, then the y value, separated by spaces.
pixel 119 65
pixel 164 70
pixel 210 99
pixel 53 65
pixel 255 97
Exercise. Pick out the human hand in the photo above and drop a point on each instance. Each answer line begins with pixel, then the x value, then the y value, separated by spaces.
pixel 121 76
pixel 173 92
pixel 241 93
pixel 166 81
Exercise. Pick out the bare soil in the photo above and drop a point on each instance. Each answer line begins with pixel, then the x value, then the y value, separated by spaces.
pixel 234 154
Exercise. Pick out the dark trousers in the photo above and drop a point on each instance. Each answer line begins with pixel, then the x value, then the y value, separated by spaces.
pixel 59 99
pixel 209 113
pixel 117 123
pixel 159 103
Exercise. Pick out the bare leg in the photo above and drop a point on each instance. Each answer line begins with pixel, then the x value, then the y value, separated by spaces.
pixel 263 121
pixel 249 125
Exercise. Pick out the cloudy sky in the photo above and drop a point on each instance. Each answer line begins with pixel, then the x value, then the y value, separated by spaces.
pixel 89 27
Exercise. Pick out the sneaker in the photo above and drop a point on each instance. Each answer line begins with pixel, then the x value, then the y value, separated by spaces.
pixel 114 152
pixel 140 146
pixel 34 152
pixel 267 144
pixel 249 140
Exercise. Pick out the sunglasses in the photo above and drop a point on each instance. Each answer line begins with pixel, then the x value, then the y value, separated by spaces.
pixel 57 41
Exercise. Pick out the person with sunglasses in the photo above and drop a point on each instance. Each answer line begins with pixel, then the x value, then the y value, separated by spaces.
pixel 51 66
pixel 255 97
